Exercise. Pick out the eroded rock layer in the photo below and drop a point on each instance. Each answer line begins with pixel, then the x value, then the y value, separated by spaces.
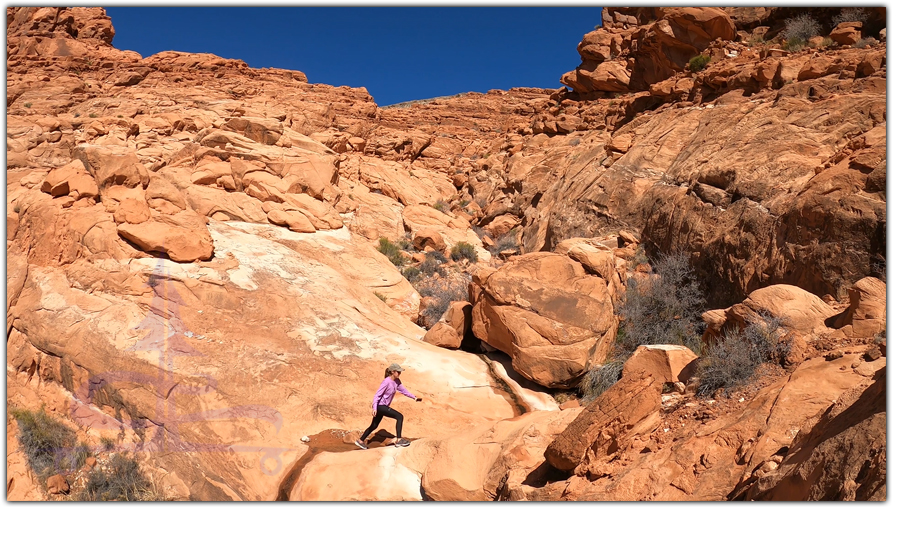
pixel 192 269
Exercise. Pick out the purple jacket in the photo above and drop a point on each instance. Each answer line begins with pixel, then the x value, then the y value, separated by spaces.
pixel 386 391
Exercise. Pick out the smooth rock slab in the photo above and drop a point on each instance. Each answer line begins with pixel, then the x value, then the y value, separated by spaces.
pixel 179 243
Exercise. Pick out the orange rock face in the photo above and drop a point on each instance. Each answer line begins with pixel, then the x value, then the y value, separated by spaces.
pixel 192 264
pixel 551 317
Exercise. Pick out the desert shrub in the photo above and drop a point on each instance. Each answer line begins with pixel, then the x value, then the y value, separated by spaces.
pixel 438 293
pixel 640 257
pixel 405 243
pixel 441 206
pixel 107 443
pixel 28 104
pixel 662 309
pixel 698 63
pixel 49 446
pixel 463 250
pixel 381 296
pixel 599 378
pixel 864 42
pixel 92 115
pixel 391 250
pixel 436 257
pixel 411 273
pixel 506 242
pixel 827 42
pixel 850 14
pixel 800 29
pixel 794 44
pixel 732 361
pixel 431 266
pixel 120 480
pixel 665 308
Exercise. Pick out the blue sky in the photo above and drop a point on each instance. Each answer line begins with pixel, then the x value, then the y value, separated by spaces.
pixel 397 53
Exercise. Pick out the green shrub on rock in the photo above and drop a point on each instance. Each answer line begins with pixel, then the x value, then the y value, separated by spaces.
pixel 463 250
pixel 698 63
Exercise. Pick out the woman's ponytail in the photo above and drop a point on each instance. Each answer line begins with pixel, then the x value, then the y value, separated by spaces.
pixel 387 373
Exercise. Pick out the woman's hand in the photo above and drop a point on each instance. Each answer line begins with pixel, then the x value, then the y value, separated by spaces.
pixel 374 412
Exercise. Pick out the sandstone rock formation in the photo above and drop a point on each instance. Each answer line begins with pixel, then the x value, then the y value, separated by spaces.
pixel 627 446
pixel 797 310
pixel 842 456
pixel 866 314
pixel 654 50
pixel 548 314
pixel 453 326
pixel 491 461
pixel 191 264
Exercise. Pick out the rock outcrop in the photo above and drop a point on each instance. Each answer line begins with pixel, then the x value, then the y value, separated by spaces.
pixel 192 266
pixel 633 55
pixel 548 314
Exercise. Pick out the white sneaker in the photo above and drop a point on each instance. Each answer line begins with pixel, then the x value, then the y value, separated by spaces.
pixel 360 444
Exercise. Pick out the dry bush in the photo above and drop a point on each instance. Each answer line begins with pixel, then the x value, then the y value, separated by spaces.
pixel 438 292
pixel 120 480
pixel 463 250
pixel 599 378
pixel 508 241
pixel 662 309
pixel 798 30
pixel 850 14
pixel 732 361
pixel 49 446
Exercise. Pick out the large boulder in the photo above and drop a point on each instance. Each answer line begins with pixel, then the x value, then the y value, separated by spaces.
pixel 629 407
pixel 799 310
pixel 183 238
pixel 868 305
pixel 665 363
pixel 548 314
pixel 111 165
pixel 452 327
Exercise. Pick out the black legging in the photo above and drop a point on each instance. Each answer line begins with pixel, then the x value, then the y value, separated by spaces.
pixel 381 412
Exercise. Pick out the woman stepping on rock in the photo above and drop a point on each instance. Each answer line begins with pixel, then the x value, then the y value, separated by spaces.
pixel 381 405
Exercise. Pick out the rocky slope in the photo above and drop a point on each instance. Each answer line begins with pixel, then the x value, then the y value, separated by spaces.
pixel 192 269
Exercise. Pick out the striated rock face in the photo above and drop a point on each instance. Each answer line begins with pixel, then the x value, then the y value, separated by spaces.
pixel 548 314
pixel 843 456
